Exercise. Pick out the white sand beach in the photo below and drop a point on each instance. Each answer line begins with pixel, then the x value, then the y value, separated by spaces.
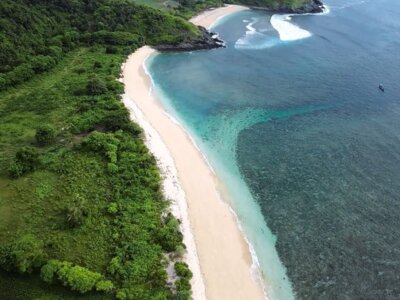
pixel 209 17
pixel 218 253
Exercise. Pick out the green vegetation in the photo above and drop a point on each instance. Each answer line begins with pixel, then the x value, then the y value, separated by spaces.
pixel 274 4
pixel 76 277
pixel 36 34
pixel 89 199
pixel 26 160
pixel 81 211
pixel 45 135
pixel 189 8
pixel 182 284
pixel 23 256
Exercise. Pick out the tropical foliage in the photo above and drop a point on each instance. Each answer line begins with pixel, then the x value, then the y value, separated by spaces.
pixel 35 34
pixel 81 211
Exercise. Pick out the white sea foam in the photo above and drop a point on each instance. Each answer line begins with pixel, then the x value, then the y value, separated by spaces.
pixel 255 263
pixel 326 11
pixel 254 39
pixel 282 23
pixel 287 30
pixel 244 40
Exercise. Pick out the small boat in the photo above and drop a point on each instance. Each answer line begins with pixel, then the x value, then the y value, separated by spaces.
pixel 381 87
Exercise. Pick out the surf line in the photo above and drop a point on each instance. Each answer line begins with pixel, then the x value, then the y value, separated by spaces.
pixel 289 31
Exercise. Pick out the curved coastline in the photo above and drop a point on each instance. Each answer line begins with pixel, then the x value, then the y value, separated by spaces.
pixel 218 253
pixel 211 17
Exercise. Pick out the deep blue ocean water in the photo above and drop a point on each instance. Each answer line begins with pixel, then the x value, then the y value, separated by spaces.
pixel 305 143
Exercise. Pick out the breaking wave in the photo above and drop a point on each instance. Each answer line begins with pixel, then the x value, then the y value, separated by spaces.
pixel 288 31
pixel 254 39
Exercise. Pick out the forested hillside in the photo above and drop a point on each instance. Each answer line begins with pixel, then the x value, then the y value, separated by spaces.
pixel 274 3
pixel 81 211
pixel 34 34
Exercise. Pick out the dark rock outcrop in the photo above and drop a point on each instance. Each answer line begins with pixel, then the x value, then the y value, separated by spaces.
pixel 314 6
pixel 207 40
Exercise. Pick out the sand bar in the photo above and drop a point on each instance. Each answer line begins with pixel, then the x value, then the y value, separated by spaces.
pixel 217 250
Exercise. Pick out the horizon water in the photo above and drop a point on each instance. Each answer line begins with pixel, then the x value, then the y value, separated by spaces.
pixel 290 118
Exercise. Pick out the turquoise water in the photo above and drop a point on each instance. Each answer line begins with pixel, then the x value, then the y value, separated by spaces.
pixel 291 120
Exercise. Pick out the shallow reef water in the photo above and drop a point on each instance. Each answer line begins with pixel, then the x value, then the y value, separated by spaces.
pixel 306 144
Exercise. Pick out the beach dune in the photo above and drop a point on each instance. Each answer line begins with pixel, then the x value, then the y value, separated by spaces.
pixel 219 257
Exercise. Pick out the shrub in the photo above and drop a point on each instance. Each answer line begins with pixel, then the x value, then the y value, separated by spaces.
pixel 113 208
pixel 119 119
pixel 112 168
pixel 29 157
pixel 23 256
pixel 76 212
pixel 97 65
pixel 104 286
pixel 116 119
pixel 115 86
pixel 79 70
pixel 115 265
pixel 182 284
pixel 42 63
pixel 20 74
pixel 76 277
pixel 182 295
pixel 45 135
pixel 26 160
pixel 16 169
pixel 180 251
pixel 55 52
pixel 49 270
pixel 96 86
pixel 3 82
pixel 111 50
pixel 75 216
pixel 6 258
pixel 182 270
pixel 105 143
pixel 28 253
pixel 121 295
pixel 170 236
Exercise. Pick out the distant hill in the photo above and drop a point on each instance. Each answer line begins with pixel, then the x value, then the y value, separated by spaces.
pixel 35 34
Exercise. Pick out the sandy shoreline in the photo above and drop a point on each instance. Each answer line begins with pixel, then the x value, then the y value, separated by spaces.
pixel 209 17
pixel 217 252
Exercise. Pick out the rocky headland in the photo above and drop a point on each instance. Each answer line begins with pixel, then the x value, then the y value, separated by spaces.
pixel 210 40
pixel 207 40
